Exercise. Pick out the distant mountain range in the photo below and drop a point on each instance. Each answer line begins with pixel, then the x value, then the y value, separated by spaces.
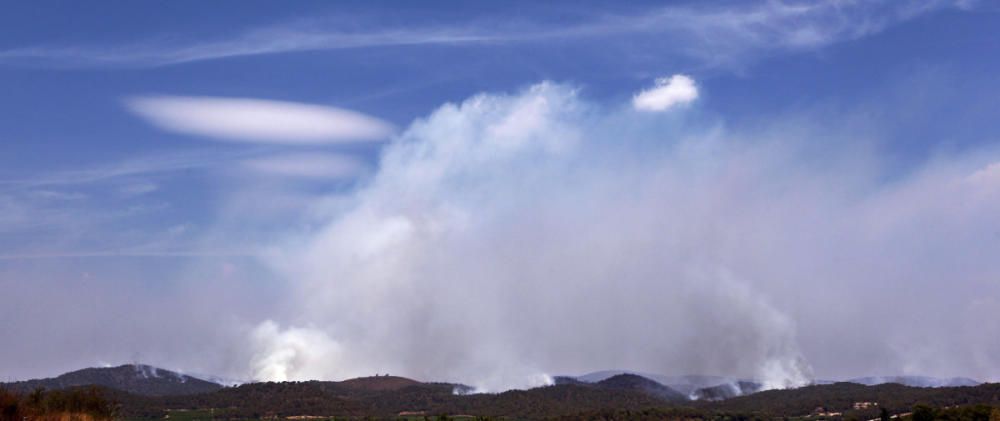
pixel 145 380
pixel 137 379
pixel 686 385
pixel 917 381
pixel 700 387
pixel 145 392
pixel 691 387
pixel 628 382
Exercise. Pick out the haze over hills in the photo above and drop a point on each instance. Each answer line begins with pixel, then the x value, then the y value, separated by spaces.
pixel 691 387
pixel 146 380
pixel 685 384
pixel 644 385
pixel 151 393
pixel 702 387
pixel 917 381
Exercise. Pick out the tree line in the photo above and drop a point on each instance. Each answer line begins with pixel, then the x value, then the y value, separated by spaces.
pixel 76 404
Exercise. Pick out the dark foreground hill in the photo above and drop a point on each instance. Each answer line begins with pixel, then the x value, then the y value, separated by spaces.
pixel 140 392
pixel 136 379
pixel 587 400
pixel 315 398
pixel 841 397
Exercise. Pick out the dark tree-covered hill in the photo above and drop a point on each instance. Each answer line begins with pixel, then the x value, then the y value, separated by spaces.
pixel 137 379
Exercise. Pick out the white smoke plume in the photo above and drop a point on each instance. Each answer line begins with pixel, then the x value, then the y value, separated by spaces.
pixel 283 355
pixel 512 237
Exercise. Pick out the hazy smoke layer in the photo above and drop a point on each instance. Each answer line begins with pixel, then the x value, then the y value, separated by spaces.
pixel 510 238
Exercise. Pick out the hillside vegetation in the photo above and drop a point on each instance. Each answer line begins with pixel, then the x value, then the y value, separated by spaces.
pixel 139 379
pixel 140 395
pixel 78 404
pixel 623 395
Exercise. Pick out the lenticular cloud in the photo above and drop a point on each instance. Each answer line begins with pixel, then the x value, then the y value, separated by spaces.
pixel 510 238
pixel 258 120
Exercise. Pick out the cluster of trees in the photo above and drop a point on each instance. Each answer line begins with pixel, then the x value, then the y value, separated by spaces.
pixel 626 399
pixel 83 404
pixel 591 401
pixel 265 400
pixel 919 412
pixel 962 413
pixel 840 397
pixel 648 414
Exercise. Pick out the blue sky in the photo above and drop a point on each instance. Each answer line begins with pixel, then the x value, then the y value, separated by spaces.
pixel 116 186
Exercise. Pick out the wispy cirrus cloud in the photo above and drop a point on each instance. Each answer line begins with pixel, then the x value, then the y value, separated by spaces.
pixel 138 166
pixel 116 253
pixel 308 166
pixel 55 214
pixel 258 120
pixel 714 34
pixel 138 188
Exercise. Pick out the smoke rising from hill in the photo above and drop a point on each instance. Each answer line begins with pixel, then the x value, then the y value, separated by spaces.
pixel 513 237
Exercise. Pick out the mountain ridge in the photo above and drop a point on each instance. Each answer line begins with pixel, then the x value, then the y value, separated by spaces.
pixel 916 381
pixel 139 379
pixel 714 388
pixel 147 380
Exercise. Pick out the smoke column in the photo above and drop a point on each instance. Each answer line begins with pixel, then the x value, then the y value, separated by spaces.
pixel 510 238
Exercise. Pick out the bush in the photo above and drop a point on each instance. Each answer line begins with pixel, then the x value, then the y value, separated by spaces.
pixel 86 403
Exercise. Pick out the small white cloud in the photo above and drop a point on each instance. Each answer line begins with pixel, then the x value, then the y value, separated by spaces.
pixel 666 93
pixel 258 120
pixel 308 165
